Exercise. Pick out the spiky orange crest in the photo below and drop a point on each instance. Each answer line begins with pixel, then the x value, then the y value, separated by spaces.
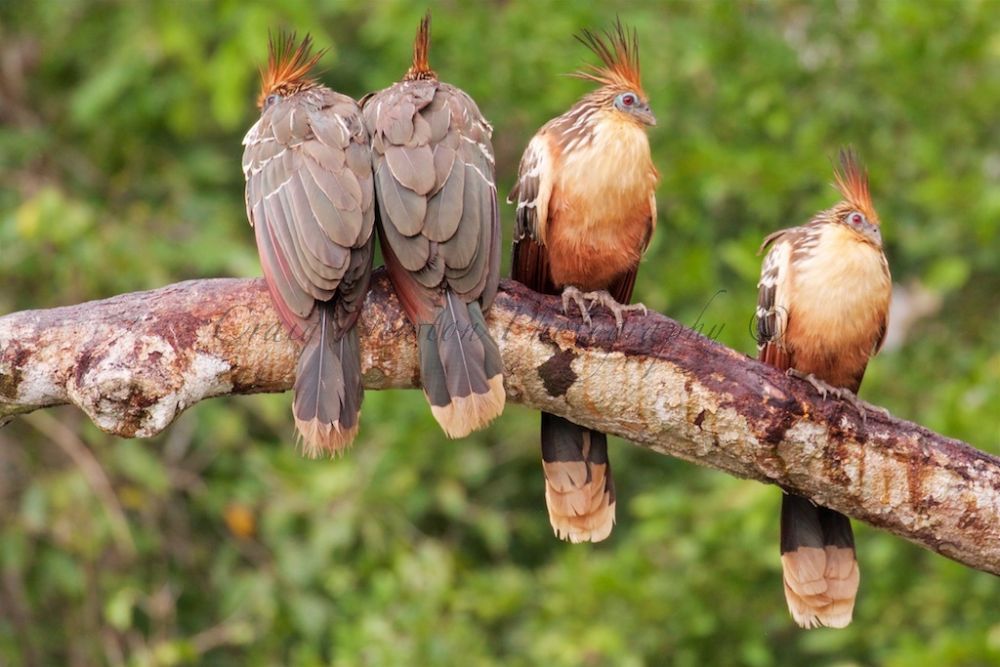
pixel 421 68
pixel 618 50
pixel 288 67
pixel 852 181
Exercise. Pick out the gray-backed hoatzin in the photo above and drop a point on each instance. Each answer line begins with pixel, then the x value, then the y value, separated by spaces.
pixel 310 200
pixel 822 311
pixel 439 231
pixel 586 210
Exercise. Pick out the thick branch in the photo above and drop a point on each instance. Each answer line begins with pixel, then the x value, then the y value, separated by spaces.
pixel 134 362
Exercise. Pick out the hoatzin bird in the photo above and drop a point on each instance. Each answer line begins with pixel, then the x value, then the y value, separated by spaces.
pixel 586 210
pixel 310 199
pixel 439 231
pixel 822 311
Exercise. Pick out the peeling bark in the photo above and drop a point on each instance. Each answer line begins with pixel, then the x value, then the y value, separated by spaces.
pixel 134 362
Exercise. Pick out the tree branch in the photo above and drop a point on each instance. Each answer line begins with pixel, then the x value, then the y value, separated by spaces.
pixel 135 361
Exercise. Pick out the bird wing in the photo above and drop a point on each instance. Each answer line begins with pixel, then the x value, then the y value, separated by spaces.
pixel 772 300
pixel 532 193
pixel 310 200
pixel 436 190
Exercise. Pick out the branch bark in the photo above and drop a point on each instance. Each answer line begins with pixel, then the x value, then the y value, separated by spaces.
pixel 135 361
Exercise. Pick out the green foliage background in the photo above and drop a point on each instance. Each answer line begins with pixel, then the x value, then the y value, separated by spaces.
pixel 216 544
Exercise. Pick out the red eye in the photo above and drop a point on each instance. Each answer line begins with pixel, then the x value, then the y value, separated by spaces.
pixel 628 100
pixel 856 219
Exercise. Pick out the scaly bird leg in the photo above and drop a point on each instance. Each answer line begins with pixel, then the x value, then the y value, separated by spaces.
pixel 824 389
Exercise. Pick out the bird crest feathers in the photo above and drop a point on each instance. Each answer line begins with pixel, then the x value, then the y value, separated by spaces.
pixel 421 68
pixel 288 66
pixel 852 181
pixel 618 50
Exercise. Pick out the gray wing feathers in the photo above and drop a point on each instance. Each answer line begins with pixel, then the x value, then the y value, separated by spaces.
pixel 310 197
pixel 435 185
pixel 444 210
pixel 412 166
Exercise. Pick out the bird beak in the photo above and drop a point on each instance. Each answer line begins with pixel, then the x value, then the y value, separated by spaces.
pixel 874 233
pixel 645 115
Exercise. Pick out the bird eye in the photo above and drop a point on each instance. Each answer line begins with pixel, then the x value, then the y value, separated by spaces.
pixel 271 100
pixel 627 101
pixel 856 218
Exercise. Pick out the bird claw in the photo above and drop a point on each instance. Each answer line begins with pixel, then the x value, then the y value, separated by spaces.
pixel 879 409
pixel 603 298
pixel 824 389
pixel 575 296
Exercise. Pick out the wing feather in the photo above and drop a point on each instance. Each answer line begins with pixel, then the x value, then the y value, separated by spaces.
pixel 531 194
pixel 435 189
pixel 310 198
pixel 444 209
pixel 772 301
pixel 412 166
pixel 401 207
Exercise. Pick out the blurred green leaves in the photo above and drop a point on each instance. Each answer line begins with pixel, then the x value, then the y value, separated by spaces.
pixel 120 130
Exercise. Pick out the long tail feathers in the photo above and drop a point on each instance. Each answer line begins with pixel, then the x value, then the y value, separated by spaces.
pixel 328 390
pixel 821 573
pixel 579 489
pixel 460 368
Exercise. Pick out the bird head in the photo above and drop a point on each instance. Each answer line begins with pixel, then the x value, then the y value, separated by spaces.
pixel 421 70
pixel 856 211
pixel 288 69
pixel 621 88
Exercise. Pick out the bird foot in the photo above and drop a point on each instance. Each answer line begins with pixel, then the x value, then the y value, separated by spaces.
pixel 824 389
pixel 601 297
pixel 578 298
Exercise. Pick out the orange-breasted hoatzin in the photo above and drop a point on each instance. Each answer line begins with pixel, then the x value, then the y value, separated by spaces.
pixel 439 230
pixel 586 210
pixel 310 199
pixel 822 311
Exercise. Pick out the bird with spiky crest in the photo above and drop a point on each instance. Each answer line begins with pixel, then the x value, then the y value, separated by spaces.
pixel 586 210
pixel 311 201
pixel 439 231
pixel 822 312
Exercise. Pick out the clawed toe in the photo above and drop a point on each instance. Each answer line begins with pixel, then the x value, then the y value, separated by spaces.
pixel 578 298
pixel 617 309
pixel 586 301
pixel 824 389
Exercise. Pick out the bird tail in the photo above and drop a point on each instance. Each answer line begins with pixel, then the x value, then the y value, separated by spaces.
pixel 328 388
pixel 820 565
pixel 460 368
pixel 579 489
